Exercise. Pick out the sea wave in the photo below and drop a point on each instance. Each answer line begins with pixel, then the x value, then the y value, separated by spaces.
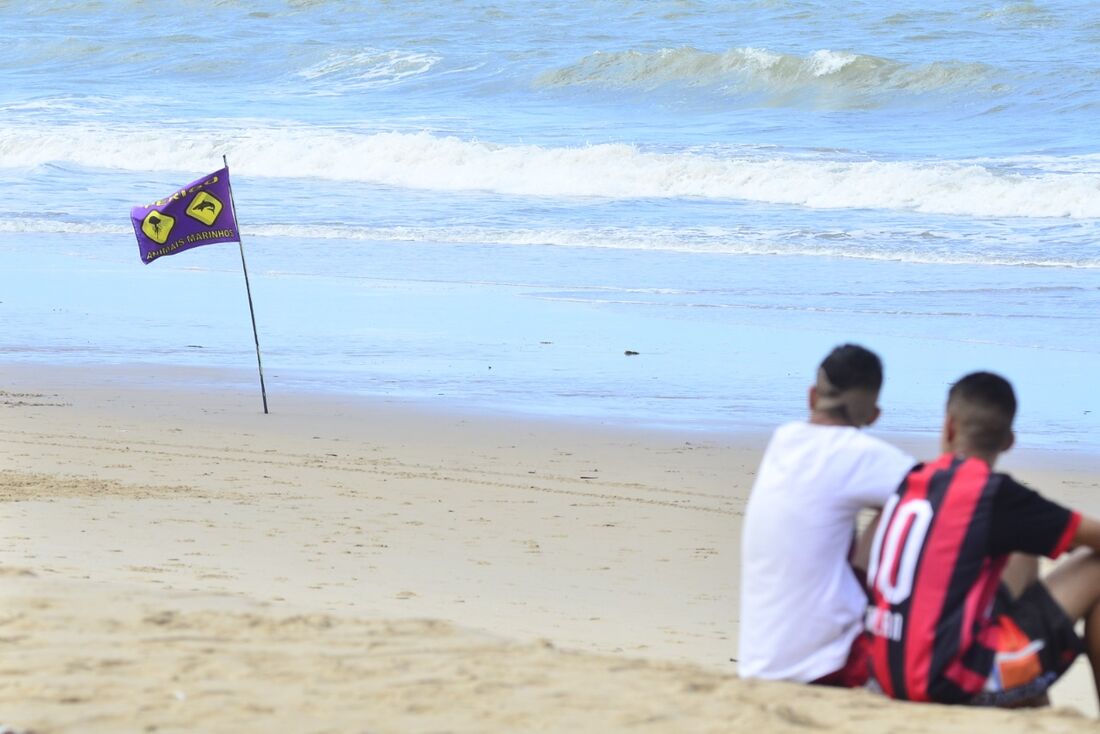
pixel 900 246
pixel 836 79
pixel 369 68
pixel 615 171
pixel 886 245
pixel 38 225
pixel 1024 14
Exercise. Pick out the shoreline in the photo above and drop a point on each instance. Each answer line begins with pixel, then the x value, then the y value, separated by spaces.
pixel 230 390
pixel 615 542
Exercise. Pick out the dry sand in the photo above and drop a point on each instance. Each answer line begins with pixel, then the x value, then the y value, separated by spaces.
pixel 177 561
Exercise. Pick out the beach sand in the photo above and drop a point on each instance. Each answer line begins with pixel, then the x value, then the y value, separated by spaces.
pixel 177 561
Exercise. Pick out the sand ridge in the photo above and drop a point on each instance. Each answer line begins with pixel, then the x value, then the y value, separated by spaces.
pixel 140 662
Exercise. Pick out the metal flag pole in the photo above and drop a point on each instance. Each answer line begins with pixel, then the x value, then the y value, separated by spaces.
pixel 248 289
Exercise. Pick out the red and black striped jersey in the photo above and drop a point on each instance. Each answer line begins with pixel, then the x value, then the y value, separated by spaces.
pixel 938 554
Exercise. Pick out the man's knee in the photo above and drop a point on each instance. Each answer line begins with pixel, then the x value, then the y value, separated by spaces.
pixel 1075 583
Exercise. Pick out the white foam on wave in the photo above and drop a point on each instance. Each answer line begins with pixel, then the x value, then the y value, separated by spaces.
pixel 617 171
pixel 914 247
pixel 18 225
pixel 896 246
pixel 369 68
pixel 826 62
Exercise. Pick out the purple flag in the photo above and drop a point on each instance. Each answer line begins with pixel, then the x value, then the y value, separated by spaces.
pixel 201 213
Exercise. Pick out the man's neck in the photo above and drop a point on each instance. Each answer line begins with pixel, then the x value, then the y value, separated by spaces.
pixel 821 418
pixel 965 453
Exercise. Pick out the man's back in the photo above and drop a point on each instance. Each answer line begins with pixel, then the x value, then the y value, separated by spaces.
pixel 801 605
pixel 935 567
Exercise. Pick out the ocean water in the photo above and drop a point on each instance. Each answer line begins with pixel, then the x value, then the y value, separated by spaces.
pixel 489 204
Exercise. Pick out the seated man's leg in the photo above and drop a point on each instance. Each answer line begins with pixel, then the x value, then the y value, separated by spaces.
pixel 1021 572
pixel 1092 645
pixel 860 554
pixel 1075 585
pixel 1037 642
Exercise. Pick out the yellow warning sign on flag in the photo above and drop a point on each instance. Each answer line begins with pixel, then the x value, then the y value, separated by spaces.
pixel 204 207
pixel 157 226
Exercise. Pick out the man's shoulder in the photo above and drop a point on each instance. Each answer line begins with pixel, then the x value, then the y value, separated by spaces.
pixel 835 438
pixel 1005 485
pixel 840 456
pixel 1007 494
pixel 870 442
pixel 996 482
pixel 1004 479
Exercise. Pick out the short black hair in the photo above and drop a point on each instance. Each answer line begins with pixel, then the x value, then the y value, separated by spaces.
pixel 851 366
pixel 984 406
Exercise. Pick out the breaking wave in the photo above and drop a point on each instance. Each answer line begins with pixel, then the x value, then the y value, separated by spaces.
pixel 827 78
pixel 615 171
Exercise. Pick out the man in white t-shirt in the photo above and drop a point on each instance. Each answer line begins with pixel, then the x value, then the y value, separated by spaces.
pixel 802 603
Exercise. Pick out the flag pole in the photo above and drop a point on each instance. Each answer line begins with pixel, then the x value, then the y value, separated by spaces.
pixel 248 289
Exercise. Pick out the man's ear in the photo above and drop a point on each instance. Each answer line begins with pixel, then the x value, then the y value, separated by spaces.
pixel 947 434
pixel 1010 441
pixel 874 416
pixel 813 397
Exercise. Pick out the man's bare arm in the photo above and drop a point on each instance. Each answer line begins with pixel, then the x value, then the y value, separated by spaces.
pixel 1088 534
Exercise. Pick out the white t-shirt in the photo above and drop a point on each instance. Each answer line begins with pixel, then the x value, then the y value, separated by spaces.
pixel 801 605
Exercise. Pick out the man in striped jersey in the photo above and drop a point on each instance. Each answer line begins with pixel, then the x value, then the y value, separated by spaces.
pixel 957 613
